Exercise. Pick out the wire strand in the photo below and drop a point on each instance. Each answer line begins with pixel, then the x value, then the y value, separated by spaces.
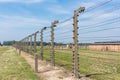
pixel 64 32
pixel 64 21
pixel 100 22
pixel 94 40
pixel 97 5
pixel 101 14
pixel 101 37
pixel 100 30
pixel 99 25
pixel 89 9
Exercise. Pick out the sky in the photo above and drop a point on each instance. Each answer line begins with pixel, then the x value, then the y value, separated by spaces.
pixel 20 18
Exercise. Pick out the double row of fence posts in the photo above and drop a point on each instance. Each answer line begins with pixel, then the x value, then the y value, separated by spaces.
pixel 26 44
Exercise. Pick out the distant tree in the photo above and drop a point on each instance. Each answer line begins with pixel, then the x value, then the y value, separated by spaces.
pixel 9 42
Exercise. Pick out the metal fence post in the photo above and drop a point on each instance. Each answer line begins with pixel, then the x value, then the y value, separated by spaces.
pixel 35 53
pixel 75 42
pixel 41 43
pixel 52 54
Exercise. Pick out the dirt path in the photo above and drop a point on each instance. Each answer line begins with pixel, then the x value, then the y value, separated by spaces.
pixel 46 72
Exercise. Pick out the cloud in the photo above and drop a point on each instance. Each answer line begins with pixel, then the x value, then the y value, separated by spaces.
pixel 20 21
pixel 116 1
pixel 21 1
pixel 108 15
pixel 12 26
pixel 57 9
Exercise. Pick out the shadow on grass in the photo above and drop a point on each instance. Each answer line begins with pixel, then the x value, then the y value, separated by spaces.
pixel 62 65
pixel 95 74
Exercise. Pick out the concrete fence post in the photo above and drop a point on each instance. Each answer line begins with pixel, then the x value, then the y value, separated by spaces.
pixel 75 42
pixel 35 53
pixel 20 47
pixel 41 43
pixel 52 54
pixel 30 44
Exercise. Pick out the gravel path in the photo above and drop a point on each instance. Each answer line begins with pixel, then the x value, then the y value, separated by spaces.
pixel 46 72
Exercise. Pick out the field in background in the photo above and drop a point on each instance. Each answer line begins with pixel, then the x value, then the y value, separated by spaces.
pixel 97 65
pixel 14 67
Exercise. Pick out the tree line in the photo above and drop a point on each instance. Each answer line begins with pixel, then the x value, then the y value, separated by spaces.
pixel 9 43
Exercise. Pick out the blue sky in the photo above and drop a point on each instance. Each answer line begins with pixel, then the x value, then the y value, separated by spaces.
pixel 19 18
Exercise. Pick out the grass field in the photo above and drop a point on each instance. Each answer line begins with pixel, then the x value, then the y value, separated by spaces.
pixel 97 65
pixel 14 67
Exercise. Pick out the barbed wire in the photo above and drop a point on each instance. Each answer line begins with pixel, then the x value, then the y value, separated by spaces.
pixel 94 40
pixel 93 26
pixel 100 30
pixel 99 4
pixel 101 37
pixel 63 26
pixel 64 32
pixel 63 38
pixel 102 13
pixel 101 22
pixel 87 10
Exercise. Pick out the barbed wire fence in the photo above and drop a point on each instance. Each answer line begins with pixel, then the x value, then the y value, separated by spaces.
pixel 98 39
pixel 70 36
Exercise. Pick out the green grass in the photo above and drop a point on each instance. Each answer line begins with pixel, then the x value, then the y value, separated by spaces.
pixel 97 65
pixel 14 67
pixel 100 65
